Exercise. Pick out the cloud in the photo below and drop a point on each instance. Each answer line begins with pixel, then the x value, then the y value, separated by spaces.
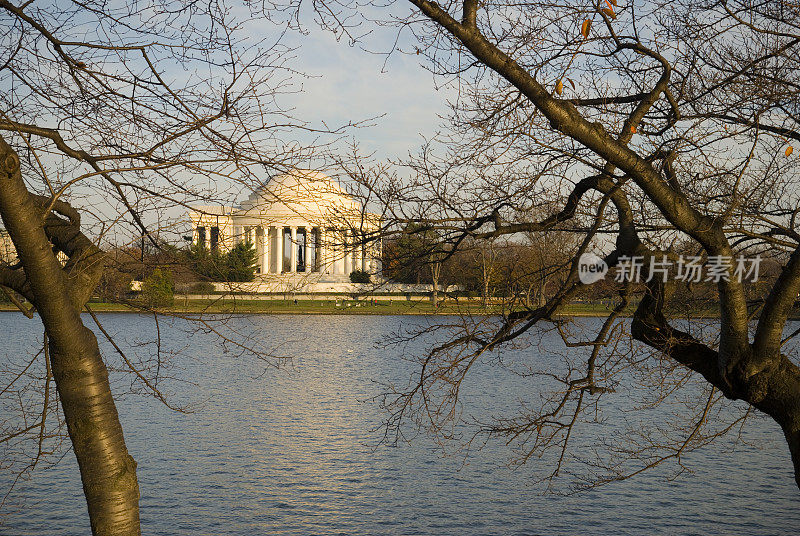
pixel 349 84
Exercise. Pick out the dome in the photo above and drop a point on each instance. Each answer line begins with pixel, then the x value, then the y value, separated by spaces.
pixel 301 192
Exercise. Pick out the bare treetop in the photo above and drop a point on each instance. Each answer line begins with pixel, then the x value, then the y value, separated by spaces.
pixel 169 100
pixel 111 115
pixel 641 130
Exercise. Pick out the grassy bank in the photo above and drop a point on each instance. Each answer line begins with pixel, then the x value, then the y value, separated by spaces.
pixel 340 306
pixel 329 306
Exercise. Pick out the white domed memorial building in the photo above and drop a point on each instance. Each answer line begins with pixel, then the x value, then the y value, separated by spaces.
pixel 306 230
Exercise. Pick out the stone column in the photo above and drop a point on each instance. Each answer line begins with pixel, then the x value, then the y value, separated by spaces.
pixel 274 266
pixel 273 260
pixel 336 251
pixel 315 250
pixel 323 250
pixel 279 250
pixel 330 246
pixel 307 248
pixel 320 245
pixel 293 251
pixel 265 251
pixel 347 252
pixel 333 250
pixel 258 234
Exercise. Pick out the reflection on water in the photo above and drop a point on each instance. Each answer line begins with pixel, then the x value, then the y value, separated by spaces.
pixel 292 451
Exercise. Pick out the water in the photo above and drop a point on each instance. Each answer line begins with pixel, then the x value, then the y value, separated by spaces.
pixel 293 451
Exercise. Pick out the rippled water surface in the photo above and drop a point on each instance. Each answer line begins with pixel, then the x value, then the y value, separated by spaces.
pixel 292 451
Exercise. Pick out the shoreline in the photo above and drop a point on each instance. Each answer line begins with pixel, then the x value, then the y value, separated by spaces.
pixel 346 307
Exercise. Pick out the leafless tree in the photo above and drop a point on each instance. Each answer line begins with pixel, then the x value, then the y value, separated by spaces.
pixel 631 127
pixel 111 115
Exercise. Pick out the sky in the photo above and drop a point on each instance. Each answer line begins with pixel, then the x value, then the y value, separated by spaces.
pixel 396 98
pixel 351 84
pixel 345 83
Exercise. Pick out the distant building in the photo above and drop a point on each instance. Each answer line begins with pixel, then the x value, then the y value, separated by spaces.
pixel 8 253
pixel 300 223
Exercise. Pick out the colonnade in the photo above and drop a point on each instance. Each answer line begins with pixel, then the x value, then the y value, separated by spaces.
pixel 311 249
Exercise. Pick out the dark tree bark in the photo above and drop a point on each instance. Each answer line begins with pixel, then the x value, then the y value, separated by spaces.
pixel 686 129
pixel 59 293
pixel 97 116
pixel 751 370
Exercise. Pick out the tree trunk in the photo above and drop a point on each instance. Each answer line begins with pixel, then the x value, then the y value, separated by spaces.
pixel 541 298
pixel 59 293
pixel 108 472
pixel 436 268
pixel 775 391
pixel 486 275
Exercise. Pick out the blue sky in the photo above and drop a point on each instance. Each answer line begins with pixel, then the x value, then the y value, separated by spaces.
pixel 346 83
pixel 351 84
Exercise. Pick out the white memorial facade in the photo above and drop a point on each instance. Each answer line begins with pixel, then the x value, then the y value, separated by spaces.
pixel 8 252
pixel 301 224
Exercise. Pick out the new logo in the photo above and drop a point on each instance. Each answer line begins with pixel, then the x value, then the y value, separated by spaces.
pixel 591 268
